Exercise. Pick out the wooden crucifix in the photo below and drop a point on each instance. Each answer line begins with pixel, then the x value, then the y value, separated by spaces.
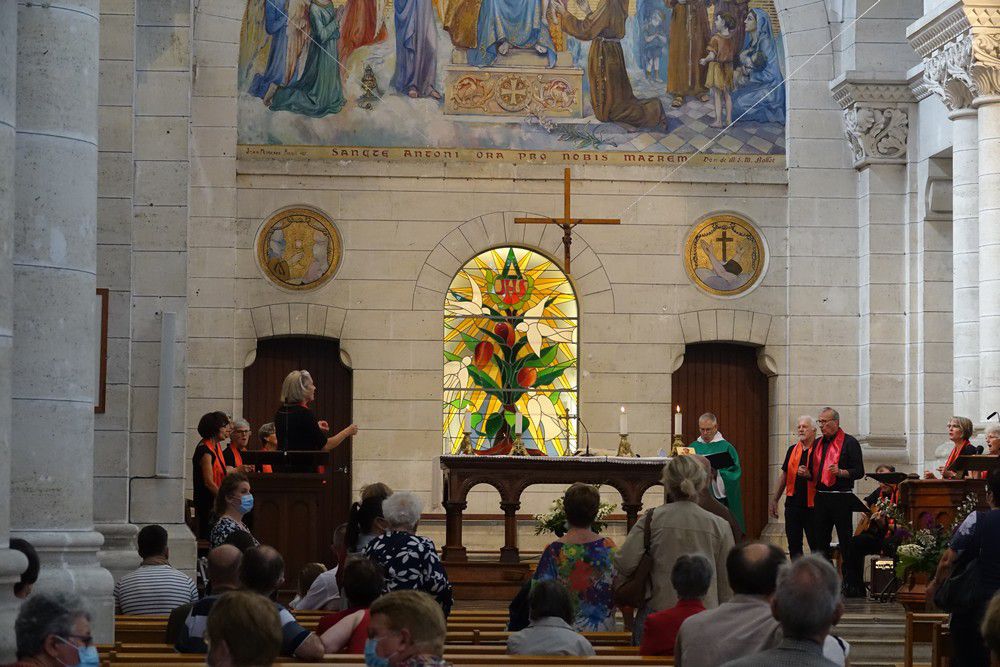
pixel 567 223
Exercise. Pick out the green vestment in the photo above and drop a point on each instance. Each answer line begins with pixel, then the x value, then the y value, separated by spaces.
pixel 730 476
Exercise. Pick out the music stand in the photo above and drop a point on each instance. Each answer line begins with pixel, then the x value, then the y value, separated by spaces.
pixel 975 462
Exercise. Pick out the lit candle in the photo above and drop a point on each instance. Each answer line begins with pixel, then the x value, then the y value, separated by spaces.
pixel 623 422
pixel 677 421
pixel 468 421
pixel 518 423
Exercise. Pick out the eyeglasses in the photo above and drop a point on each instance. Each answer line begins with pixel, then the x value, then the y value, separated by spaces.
pixel 86 640
pixel 242 430
pixel 824 421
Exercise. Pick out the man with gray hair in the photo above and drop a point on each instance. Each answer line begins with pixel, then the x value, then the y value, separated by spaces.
pixel 798 486
pixel 725 482
pixel 807 603
pixel 54 629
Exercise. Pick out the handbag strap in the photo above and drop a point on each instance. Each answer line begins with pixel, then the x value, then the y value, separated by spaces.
pixel 647 532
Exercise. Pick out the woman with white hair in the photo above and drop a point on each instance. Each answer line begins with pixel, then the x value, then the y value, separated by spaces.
pixel 677 528
pixel 408 560
pixel 295 424
pixel 993 439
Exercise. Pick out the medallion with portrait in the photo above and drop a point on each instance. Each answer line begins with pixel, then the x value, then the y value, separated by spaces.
pixel 299 249
pixel 725 255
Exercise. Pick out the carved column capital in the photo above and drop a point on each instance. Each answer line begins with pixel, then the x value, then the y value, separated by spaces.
pixel 876 117
pixel 948 73
pixel 984 21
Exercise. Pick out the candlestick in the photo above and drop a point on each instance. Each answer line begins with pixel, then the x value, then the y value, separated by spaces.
pixel 677 421
pixel 623 422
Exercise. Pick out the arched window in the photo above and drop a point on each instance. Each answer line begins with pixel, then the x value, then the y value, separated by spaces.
pixel 510 349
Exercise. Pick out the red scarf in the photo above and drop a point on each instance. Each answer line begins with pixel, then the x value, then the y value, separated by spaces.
pixel 828 458
pixel 956 451
pixel 791 475
pixel 237 457
pixel 218 463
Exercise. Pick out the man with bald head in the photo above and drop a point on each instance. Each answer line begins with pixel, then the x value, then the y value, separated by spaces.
pixel 744 624
pixel 223 576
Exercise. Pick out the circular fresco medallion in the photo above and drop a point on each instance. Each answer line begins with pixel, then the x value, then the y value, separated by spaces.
pixel 299 249
pixel 725 255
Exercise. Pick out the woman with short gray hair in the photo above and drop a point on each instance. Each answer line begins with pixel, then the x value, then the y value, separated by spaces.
pixel 678 528
pixel 409 561
pixel 54 629
pixel 993 439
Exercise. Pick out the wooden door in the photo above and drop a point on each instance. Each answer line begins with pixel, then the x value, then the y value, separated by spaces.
pixel 724 379
pixel 276 357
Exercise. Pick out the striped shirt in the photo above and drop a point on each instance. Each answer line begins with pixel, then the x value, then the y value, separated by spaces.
pixel 153 589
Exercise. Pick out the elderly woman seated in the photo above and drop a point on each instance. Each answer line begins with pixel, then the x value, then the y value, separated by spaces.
pixel 551 631
pixel 409 561
pixel 54 629
pixel 407 630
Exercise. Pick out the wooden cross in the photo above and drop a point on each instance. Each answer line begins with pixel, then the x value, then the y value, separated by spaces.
pixel 567 223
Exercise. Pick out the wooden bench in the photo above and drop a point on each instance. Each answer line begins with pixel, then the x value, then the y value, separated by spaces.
pixel 919 629
pixel 464 649
pixel 940 645
pixel 458 659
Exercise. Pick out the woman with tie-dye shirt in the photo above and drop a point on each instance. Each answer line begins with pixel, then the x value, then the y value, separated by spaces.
pixel 582 561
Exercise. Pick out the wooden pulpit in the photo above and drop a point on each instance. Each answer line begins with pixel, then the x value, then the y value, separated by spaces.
pixel 935 500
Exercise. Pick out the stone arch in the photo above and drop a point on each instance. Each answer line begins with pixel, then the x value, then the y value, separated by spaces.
pixel 293 319
pixel 729 326
pixel 590 280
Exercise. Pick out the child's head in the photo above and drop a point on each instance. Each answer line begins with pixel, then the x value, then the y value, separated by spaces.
pixel 691 576
pixel 656 18
pixel 308 575
pixel 725 20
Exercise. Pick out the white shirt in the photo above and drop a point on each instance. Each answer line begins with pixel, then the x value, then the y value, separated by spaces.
pixel 323 594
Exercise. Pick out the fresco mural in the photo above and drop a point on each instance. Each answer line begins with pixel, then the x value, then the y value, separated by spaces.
pixel 613 81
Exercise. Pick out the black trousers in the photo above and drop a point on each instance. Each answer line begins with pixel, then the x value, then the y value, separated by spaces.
pixel 862 545
pixel 799 520
pixel 832 510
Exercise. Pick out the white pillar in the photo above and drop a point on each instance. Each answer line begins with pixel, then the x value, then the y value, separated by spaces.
pixel 989 255
pixel 965 263
pixel 11 563
pixel 54 267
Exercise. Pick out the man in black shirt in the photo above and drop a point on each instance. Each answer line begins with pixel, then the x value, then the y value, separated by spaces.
pixel 838 462
pixel 797 485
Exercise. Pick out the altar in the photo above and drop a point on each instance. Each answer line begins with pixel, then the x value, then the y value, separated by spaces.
pixel 511 475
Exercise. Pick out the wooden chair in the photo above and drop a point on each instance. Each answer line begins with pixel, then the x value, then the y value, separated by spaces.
pixel 940 645
pixel 919 628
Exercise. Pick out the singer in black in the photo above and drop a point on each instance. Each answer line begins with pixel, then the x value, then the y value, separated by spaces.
pixel 837 463
pixel 295 424
pixel 797 484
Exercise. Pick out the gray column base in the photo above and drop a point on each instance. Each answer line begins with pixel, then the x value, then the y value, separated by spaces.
pixel 118 554
pixel 12 564
pixel 70 563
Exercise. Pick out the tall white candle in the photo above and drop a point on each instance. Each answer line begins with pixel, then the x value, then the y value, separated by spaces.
pixel 677 421
pixel 623 422
pixel 518 423
pixel 468 421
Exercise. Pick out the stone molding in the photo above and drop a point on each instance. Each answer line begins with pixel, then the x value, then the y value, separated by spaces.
pixel 723 325
pixel 876 117
pixel 297 319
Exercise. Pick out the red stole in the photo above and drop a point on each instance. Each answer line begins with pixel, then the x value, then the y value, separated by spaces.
pixel 830 456
pixel 956 451
pixel 791 475
pixel 218 463
pixel 237 457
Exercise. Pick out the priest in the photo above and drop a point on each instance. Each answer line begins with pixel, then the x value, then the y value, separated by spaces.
pixel 726 483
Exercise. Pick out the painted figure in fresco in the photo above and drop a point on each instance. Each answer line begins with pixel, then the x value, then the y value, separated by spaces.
pixel 363 24
pixel 727 276
pixel 610 89
pixel 275 22
pixel 506 24
pixel 654 43
pixel 318 91
pixel 758 77
pixel 416 49
pixel 739 10
pixel 688 39
pixel 297 36
pixel 719 77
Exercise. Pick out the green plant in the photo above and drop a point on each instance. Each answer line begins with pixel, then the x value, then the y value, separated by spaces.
pixel 921 546
pixel 554 521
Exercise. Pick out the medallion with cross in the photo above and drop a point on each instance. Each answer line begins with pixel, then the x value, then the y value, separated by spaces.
pixel 567 222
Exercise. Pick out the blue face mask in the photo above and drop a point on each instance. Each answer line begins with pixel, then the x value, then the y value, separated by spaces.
pixel 88 656
pixel 246 503
pixel 373 659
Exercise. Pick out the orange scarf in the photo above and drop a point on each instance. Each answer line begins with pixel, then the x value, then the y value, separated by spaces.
pixel 831 457
pixel 237 457
pixel 956 451
pixel 218 463
pixel 791 475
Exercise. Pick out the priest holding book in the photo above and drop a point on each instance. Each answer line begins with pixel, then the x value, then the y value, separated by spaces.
pixel 725 484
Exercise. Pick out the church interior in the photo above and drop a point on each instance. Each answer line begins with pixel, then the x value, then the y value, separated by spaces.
pixel 519 244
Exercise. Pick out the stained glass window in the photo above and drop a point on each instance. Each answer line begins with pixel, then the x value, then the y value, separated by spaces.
pixel 510 350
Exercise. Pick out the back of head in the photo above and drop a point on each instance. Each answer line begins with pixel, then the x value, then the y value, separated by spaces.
pixel 362 518
pixel 363 582
pixel 550 598
pixel 691 576
pixel 308 574
pixel 224 566
pixel 262 569
pixel 45 614
pixel 990 628
pixel 375 490
pixel 30 575
pixel 249 626
pixel 240 539
pixel 753 568
pixel 418 613
pixel 684 478
pixel 293 389
pixel 581 503
pixel 402 510
pixel 152 541
pixel 807 598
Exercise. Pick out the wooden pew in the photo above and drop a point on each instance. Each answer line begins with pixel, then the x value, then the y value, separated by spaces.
pixel 462 649
pixel 940 645
pixel 919 629
pixel 457 659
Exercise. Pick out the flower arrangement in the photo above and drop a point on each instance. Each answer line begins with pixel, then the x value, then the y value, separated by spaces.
pixel 920 547
pixel 554 521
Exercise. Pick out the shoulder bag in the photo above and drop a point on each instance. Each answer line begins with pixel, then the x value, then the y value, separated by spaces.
pixel 630 591
pixel 963 589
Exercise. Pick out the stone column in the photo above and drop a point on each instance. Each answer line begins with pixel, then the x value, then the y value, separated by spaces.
pixel 11 562
pixel 54 267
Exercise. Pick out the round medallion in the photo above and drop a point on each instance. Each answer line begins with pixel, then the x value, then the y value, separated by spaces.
pixel 299 249
pixel 725 255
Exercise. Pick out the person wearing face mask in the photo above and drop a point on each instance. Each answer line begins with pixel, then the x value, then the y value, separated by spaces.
pixel 407 629
pixel 53 629
pixel 232 502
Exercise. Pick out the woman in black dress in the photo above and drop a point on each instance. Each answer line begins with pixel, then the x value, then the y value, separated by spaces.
pixel 296 425
pixel 209 467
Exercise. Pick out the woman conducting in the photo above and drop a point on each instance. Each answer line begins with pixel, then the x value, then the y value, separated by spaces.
pixel 295 423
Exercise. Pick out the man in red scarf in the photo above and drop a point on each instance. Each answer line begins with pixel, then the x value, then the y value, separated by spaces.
pixel 837 463
pixel 797 485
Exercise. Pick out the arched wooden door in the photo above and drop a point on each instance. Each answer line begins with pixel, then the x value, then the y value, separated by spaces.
pixel 297 532
pixel 724 379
